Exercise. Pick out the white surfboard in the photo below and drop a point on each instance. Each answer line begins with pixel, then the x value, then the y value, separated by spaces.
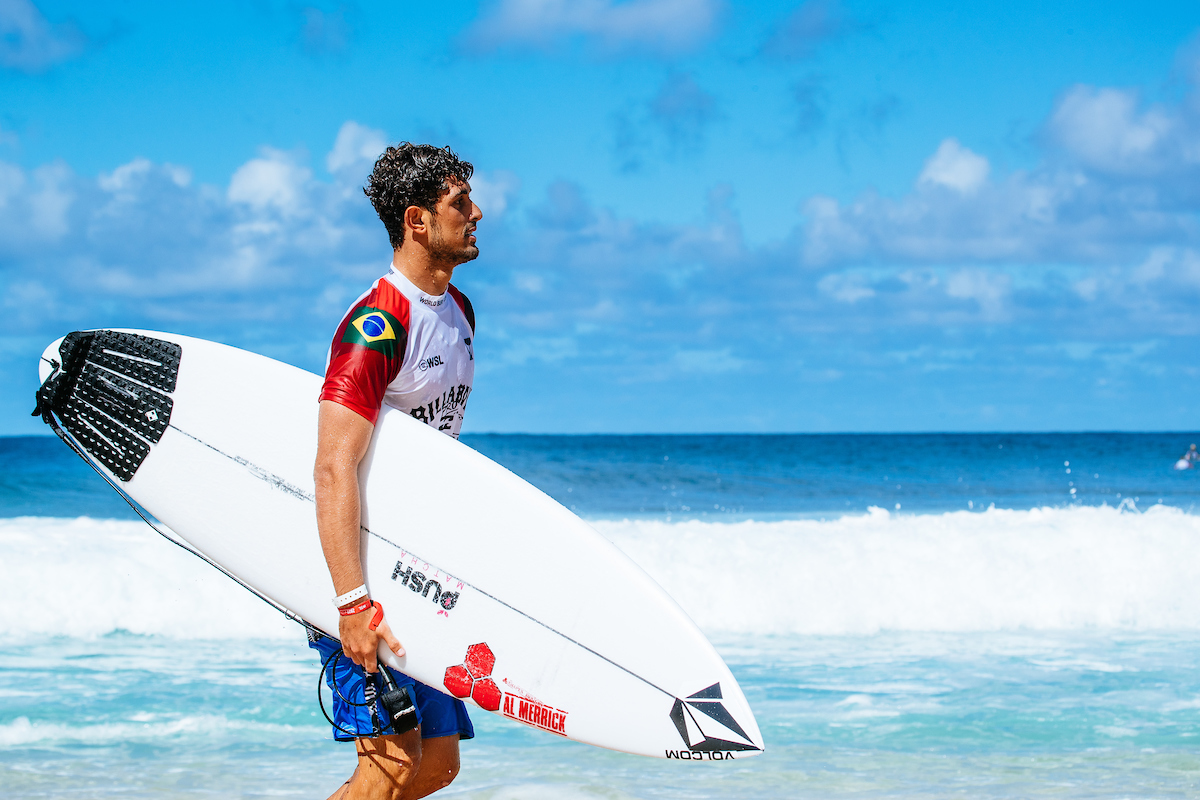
pixel 500 595
pixel 1183 464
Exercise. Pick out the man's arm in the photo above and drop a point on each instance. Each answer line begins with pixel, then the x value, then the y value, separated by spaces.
pixel 342 441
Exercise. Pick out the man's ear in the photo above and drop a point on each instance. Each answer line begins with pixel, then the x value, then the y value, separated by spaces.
pixel 414 219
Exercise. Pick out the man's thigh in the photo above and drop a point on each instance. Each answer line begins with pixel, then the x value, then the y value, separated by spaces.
pixel 404 766
pixel 387 765
pixel 439 765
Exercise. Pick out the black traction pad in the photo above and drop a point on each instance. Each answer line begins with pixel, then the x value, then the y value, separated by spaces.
pixel 111 393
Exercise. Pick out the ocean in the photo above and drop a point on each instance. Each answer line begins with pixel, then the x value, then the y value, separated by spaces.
pixel 932 616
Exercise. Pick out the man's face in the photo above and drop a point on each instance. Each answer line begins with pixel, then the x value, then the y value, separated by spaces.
pixel 452 227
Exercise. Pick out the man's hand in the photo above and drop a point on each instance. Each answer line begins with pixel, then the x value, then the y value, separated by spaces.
pixel 361 644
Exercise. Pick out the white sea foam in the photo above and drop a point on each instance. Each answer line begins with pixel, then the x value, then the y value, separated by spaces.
pixel 86 577
pixel 21 731
pixel 1043 569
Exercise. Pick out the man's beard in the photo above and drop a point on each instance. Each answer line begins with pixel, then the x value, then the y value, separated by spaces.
pixel 453 253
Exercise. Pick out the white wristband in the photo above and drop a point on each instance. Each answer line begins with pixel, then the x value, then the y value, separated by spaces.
pixel 350 596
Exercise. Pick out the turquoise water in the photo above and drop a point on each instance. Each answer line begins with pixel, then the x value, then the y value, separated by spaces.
pixel 995 637
pixel 895 715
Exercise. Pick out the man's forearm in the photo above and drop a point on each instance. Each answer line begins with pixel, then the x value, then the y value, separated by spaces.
pixel 338 520
pixel 342 441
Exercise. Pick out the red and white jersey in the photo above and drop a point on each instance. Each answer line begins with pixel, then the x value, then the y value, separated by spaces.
pixel 411 350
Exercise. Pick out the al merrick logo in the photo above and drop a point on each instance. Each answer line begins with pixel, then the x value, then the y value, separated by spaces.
pixel 473 678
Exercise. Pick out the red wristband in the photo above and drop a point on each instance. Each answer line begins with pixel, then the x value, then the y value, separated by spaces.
pixel 354 609
pixel 378 618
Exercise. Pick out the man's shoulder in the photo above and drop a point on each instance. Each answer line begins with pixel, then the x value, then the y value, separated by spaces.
pixel 383 296
pixel 463 304
pixel 383 309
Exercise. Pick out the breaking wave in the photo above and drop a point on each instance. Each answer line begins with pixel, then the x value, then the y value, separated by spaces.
pixel 22 732
pixel 1039 569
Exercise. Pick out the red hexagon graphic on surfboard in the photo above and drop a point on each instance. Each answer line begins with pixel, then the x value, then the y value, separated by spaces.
pixel 473 678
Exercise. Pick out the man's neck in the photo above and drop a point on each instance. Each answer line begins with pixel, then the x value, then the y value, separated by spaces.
pixel 431 277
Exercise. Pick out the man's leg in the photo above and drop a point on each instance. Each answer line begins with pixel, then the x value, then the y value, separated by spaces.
pixel 403 767
pixel 438 767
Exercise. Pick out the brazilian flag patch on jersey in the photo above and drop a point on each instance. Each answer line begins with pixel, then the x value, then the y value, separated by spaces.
pixel 373 328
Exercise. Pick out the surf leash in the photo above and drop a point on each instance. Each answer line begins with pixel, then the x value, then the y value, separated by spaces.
pixel 396 700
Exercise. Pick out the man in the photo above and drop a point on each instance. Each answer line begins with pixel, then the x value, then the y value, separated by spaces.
pixel 407 343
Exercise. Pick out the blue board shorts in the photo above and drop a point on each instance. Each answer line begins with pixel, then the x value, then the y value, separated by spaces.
pixel 438 714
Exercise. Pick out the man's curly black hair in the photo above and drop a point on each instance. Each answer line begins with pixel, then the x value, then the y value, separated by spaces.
pixel 412 175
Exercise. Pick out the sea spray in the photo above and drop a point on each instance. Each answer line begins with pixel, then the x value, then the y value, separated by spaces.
pixel 86 577
pixel 1040 569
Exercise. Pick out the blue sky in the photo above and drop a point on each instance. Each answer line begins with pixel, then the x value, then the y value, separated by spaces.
pixel 699 215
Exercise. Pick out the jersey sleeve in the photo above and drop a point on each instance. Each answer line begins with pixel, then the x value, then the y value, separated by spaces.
pixel 367 351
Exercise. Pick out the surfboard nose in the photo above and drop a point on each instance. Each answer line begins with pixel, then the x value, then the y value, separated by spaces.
pixel 707 724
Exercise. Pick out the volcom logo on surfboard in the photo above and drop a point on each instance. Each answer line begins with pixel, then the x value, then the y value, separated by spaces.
pixel 707 727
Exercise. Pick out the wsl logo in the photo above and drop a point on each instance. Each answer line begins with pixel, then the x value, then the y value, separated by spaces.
pixel 374 329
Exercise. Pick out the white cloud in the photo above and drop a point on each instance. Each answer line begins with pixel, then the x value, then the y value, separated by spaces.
pixel 848 288
pixel 529 282
pixel 266 258
pixel 708 362
pixel 1179 266
pixel 659 25
pixel 273 181
pixel 1105 129
pixel 955 167
pixel 989 289
pixel 1118 177
pixel 1087 288
pixel 143 242
pixel 545 349
pixel 12 181
pixel 29 42
pixel 127 177
pixel 51 200
pixel 1054 213
pixel 493 191
pixel 356 147
pixel 1155 265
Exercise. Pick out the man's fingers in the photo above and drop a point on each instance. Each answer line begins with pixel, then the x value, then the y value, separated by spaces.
pixel 385 633
pixel 362 646
pixel 355 655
